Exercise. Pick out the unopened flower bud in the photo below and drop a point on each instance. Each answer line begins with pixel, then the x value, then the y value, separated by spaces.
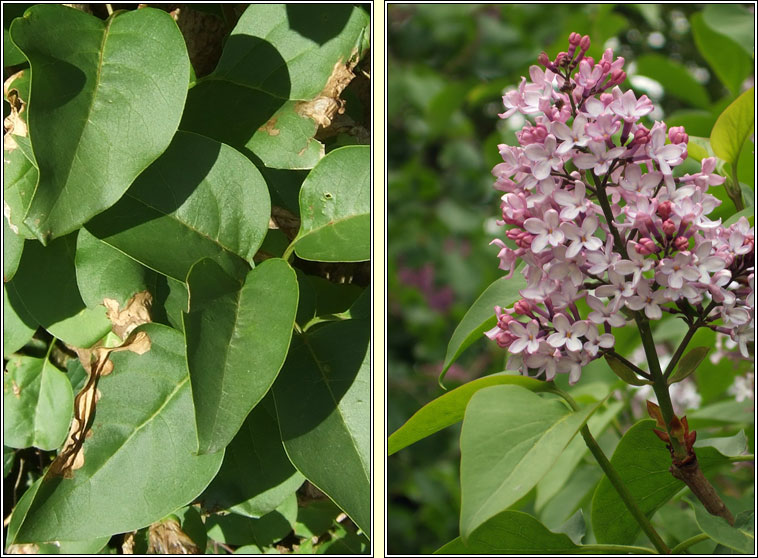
pixel 584 44
pixel 544 60
pixel 677 135
pixel 617 77
pixel 575 39
pixel 523 307
pixel 664 210
pixel 646 246
pixel 641 135
pixel 669 228
pixel 681 243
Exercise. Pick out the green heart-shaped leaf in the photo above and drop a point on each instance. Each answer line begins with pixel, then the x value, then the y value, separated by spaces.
pixel 200 199
pixel 139 462
pixel 105 106
pixel 237 340
pixel 510 438
pixel 335 208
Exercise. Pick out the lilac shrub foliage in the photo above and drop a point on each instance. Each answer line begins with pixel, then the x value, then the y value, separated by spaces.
pixel 593 208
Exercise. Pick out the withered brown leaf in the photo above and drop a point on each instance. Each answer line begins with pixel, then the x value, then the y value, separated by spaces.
pixel 135 313
pixel 167 537
pixel 97 363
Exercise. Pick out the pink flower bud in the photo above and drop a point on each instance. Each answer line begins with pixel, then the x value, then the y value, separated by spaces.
pixel 575 39
pixel 584 44
pixel 646 246
pixel 523 307
pixel 681 243
pixel 561 59
pixel 641 135
pixel 677 135
pixel 669 228
pixel 664 210
pixel 525 240
pixel 617 77
pixel 543 59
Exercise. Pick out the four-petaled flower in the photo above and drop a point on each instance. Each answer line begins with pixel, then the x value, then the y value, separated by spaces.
pixel 567 333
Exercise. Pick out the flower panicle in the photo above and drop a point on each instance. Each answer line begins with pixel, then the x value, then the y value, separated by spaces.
pixel 591 205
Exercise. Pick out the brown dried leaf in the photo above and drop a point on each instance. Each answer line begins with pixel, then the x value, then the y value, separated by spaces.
pixel 135 313
pixel 127 547
pixel 14 123
pixel 167 537
pixel 323 108
pixel 270 127
pixel 29 548
pixel 97 363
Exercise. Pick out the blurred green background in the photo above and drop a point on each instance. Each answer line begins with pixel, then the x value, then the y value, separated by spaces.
pixel 448 66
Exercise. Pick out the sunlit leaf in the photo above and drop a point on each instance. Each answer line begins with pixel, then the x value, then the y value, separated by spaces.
pixel 510 439
pixel 92 125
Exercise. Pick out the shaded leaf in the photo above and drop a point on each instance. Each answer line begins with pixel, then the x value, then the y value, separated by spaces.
pixel 45 284
pixel 18 325
pixel 200 199
pixel 91 140
pixel 13 247
pixel 140 462
pixel 449 408
pixel 37 404
pixel 733 127
pixel 239 530
pixel 323 406
pixel 315 519
pixel 256 447
pixel 511 532
pixel 688 364
pixel 335 208
pixel 481 317
pixel 510 438
pixel 237 340
pixel 642 461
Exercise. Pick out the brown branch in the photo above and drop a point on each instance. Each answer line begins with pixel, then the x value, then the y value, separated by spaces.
pixel 693 477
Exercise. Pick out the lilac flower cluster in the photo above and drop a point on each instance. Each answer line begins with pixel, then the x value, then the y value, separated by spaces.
pixel 594 210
